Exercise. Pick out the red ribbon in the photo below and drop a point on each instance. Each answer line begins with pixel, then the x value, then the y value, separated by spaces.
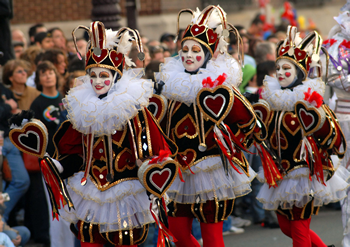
pixel 271 172
pixel 163 231
pixel 318 169
pixel 223 149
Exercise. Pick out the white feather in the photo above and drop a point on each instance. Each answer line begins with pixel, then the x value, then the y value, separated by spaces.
pixel 125 43
pixel 111 39
pixel 129 62
pixel 196 14
pixel 214 19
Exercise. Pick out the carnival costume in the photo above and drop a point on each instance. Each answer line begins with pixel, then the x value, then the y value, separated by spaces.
pixel 110 150
pixel 305 135
pixel 210 121
pixel 338 47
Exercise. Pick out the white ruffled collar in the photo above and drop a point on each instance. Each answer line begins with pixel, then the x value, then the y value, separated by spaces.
pixel 89 114
pixel 284 100
pixel 184 87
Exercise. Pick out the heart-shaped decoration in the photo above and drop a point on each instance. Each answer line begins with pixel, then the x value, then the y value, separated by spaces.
pixel 197 30
pixel 212 36
pixel 291 123
pixel 186 158
pixel 100 58
pixel 125 159
pixel 100 174
pixel 262 109
pixel 157 106
pixel 309 118
pixel 31 138
pixel 186 127
pixel 157 178
pixel 284 50
pixel 299 54
pixel 116 58
pixel 215 103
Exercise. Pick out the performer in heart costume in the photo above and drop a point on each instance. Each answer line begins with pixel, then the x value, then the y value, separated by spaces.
pixel 338 47
pixel 210 121
pixel 304 133
pixel 108 134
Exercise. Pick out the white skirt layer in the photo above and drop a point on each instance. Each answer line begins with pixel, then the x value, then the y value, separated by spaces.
pixel 124 206
pixel 297 189
pixel 209 181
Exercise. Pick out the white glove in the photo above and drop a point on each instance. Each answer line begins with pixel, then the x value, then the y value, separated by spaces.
pixel 56 162
pixel 58 165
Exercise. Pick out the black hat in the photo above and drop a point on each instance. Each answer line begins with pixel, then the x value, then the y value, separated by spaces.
pixel 39 37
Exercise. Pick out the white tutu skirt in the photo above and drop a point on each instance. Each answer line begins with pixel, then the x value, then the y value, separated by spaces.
pixel 209 181
pixel 297 189
pixel 122 207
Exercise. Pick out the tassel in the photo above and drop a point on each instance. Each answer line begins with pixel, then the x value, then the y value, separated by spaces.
pixel 224 150
pixel 163 231
pixel 55 186
pixel 272 174
pixel 317 168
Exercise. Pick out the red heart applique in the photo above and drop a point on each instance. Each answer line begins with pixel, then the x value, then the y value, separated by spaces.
pixel 212 36
pixel 125 159
pixel 215 104
pixel 299 54
pixel 291 123
pixel 99 59
pixel 116 58
pixel 186 127
pixel 186 158
pixel 307 118
pixel 284 50
pixel 197 30
pixel 160 178
pixel 100 174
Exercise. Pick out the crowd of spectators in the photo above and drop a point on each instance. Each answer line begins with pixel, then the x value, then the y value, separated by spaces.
pixel 43 71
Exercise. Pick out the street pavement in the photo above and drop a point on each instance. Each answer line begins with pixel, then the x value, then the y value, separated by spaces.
pixel 327 224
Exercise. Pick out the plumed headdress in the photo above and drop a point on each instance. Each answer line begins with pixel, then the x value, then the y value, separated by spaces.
pixel 210 28
pixel 108 49
pixel 304 53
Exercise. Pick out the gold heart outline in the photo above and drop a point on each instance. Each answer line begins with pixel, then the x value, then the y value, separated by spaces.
pixel 212 91
pixel 37 124
pixel 144 175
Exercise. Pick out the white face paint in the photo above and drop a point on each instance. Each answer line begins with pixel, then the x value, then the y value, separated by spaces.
pixel 285 72
pixel 192 55
pixel 101 80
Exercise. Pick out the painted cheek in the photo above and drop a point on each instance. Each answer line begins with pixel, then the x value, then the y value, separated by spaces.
pixel 198 58
pixel 91 81
pixel 107 82
pixel 288 74
pixel 183 59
